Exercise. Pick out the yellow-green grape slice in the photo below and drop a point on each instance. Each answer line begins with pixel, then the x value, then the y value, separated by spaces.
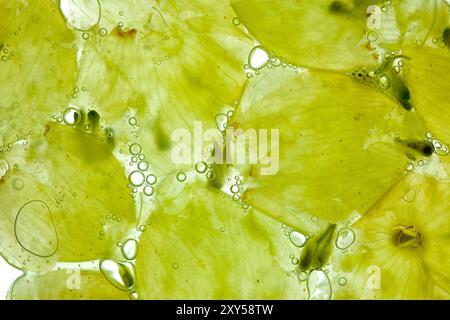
pixel 67 199
pixel 200 245
pixel 323 34
pixel 65 284
pixel 175 68
pixel 37 63
pixel 402 245
pixel 341 145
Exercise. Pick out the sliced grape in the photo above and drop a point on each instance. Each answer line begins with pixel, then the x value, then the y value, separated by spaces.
pixel 65 284
pixel 340 145
pixel 321 34
pixel 67 199
pixel 402 247
pixel 201 246
pixel 183 64
pixel 38 66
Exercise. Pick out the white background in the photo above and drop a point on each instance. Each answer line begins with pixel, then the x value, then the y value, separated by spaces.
pixel 7 276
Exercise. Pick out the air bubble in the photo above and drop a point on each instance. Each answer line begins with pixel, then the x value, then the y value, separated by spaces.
pixel 201 167
pixel 258 58
pixel 384 82
pixel 135 148
pixel 211 175
pixel 122 275
pixel 318 285
pixel 143 165
pixel 302 276
pixel 149 190
pixel 342 281
pixel 136 178
pixel 130 249
pixel 151 179
pixel 181 176
pixel 236 21
pixel 18 184
pixel 132 121
pixel 71 116
pixel 346 237
pixel 409 195
pixel 297 239
pixel 234 189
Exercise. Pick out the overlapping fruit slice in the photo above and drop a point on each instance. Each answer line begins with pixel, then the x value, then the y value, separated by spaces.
pixel 323 34
pixel 65 284
pixel 341 145
pixel 402 244
pixel 202 246
pixel 65 196
pixel 37 63
pixel 421 22
pixel 425 72
pixel 183 64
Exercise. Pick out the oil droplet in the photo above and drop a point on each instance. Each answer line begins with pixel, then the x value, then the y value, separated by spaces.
pixel 34 229
pixel 297 239
pixel 181 176
pixel 81 15
pixel 258 58
pixel 345 238
pixel 136 178
pixel 135 148
pixel 149 190
pixel 409 195
pixel 175 266
pixel 318 285
pixel 142 228
pixel 201 167
pixel 71 116
pixel 130 249
pixel 151 179
pixel 122 275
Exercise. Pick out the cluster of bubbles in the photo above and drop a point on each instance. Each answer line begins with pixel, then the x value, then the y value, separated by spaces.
pixel 159 60
pixel 140 178
pixel 110 219
pixel 7 54
pixel 259 58
pixel 75 92
pixel 237 191
pixel 136 129
pixel 440 148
